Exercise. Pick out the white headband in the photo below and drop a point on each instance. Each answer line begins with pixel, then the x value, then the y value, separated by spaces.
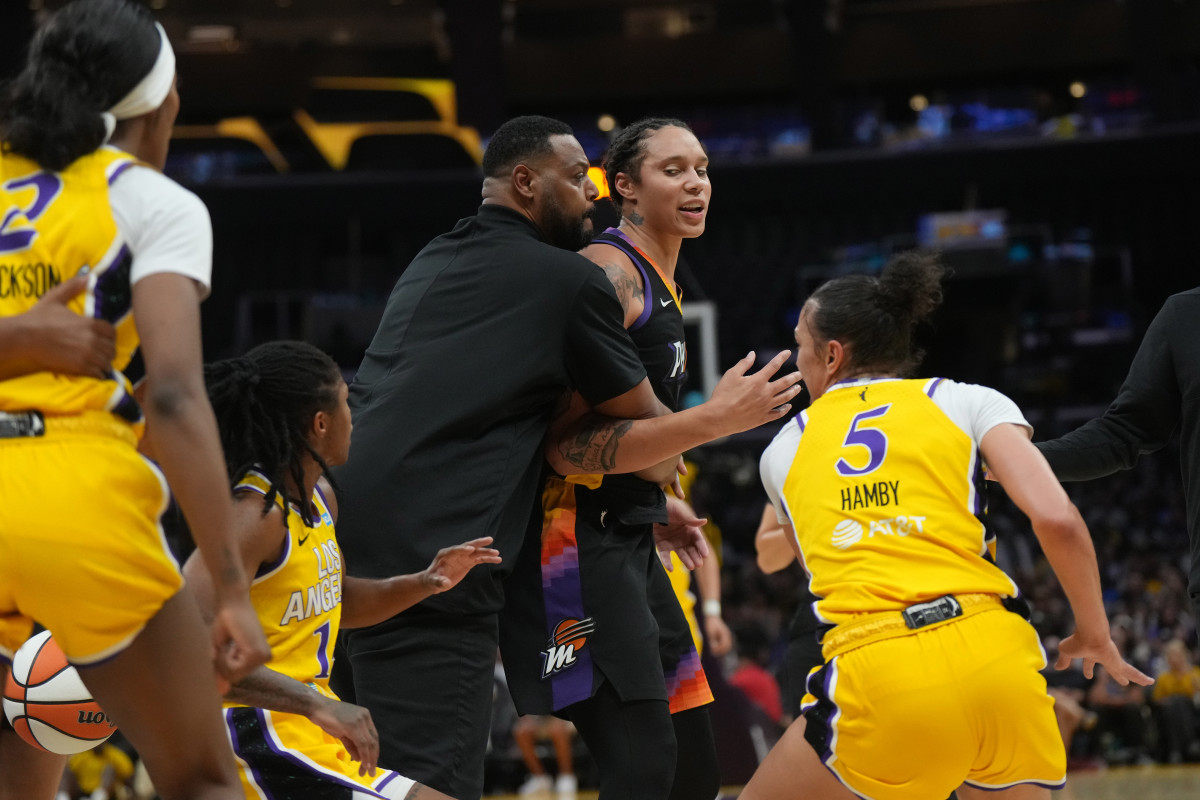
pixel 151 90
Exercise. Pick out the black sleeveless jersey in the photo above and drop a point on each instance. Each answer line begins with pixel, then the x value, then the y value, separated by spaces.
pixel 658 332
pixel 659 337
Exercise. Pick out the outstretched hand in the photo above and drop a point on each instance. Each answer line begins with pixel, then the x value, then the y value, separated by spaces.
pixel 1103 652
pixel 683 533
pixel 451 564
pixel 744 400
pixel 354 727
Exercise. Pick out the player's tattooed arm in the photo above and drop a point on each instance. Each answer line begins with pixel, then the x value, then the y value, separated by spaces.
pixel 594 446
pixel 627 289
pixel 266 688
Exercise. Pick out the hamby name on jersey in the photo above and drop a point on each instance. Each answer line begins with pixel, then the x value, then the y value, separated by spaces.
pixel 570 636
pixel 866 495
pixel 324 595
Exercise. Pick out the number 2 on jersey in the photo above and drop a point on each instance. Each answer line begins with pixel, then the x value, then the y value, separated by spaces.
pixel 873 439
pixel 47 187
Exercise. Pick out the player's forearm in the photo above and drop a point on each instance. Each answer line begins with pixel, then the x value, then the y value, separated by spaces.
pixel 662 473
pixel 16 347
pixel 1140 420
pixel 187 444
pixel 599 444
pixel 772 550
pixel 1068 547
pixel 367 601
pixel 266 688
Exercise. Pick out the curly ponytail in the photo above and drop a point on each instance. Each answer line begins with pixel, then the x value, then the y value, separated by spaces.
pixel 83 61
pixel 876 317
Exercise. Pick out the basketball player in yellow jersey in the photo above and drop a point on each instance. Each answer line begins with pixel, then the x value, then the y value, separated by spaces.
pixel 284 420
pixel 931 684
pixel 83 552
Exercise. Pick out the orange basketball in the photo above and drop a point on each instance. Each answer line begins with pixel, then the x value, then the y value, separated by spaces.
pixel 47 703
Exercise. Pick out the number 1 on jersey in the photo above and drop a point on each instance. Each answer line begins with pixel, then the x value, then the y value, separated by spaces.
pixel 322 646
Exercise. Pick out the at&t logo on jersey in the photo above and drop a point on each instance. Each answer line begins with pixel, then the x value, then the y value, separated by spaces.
pixel 850 532
pixel 570 635
pixel 846 533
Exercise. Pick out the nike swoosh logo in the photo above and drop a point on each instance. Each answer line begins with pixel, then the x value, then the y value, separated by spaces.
pixel 666 302
pixel 305 539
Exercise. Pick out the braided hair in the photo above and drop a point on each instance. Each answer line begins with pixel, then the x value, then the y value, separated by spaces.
pixel 628 150
pixel 264 402
pixel 877 316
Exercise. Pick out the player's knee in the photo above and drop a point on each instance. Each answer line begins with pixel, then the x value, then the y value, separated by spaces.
pixel 205 779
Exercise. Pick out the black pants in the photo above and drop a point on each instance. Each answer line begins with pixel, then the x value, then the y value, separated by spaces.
pixel 643 752
pixel 427 681
pixel 697 774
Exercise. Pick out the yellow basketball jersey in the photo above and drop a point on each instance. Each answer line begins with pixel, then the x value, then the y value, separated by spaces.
pixel 53 226
pixel 299 597
pixel 884 499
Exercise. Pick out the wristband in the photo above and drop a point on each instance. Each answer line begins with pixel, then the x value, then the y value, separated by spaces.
pixel 712 608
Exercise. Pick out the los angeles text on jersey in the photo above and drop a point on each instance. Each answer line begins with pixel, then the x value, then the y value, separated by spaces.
pixel 322 596
pixel 868 495
pixel 27 280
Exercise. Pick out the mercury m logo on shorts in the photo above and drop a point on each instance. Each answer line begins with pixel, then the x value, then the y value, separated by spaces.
pixel 570 635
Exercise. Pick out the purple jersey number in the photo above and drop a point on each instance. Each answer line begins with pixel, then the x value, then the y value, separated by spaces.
pixel 47 186
pixel 874 440
pixel 322 656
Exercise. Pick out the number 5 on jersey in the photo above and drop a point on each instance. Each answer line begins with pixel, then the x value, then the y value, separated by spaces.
pixel 872 439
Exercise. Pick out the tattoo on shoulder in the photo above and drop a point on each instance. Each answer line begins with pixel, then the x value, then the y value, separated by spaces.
pixel 636 218
pixel 626 287
pixel 415 792
pixel 594 449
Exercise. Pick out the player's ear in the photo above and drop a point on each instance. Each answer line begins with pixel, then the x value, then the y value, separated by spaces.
pixel 320 424
pixel 835 355
pixel 523 179
pixel 625 186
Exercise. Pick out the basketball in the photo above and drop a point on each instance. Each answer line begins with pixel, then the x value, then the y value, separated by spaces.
pixel 47 703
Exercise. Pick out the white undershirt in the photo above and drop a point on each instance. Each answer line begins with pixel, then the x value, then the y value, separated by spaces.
pixel 166 227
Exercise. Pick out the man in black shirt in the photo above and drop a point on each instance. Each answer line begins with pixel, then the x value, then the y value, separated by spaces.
pixel 1160 394
pixel 487 329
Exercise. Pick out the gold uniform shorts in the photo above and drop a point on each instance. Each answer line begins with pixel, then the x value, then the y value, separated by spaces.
pixel 81 549
pixel 915 715
pixel 288 755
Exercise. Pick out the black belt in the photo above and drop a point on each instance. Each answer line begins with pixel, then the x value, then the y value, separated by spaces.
pixel 21 424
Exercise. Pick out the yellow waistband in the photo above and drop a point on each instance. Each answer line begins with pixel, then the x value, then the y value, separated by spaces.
pixel 87 423
pixel 889 624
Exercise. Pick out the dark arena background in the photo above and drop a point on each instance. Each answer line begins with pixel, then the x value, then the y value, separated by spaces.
pixel 1050 149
